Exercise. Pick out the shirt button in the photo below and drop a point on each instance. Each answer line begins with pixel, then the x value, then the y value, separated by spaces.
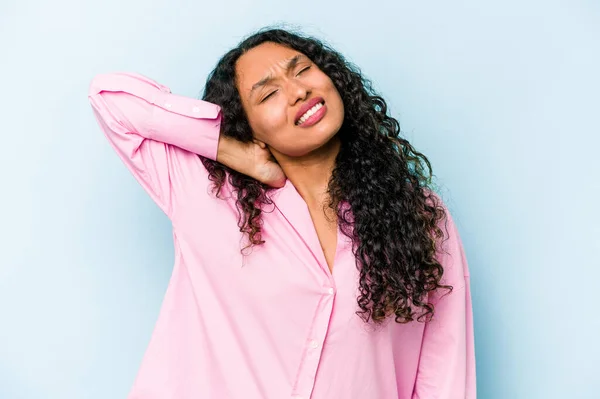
pixel 196 109
pixel 330 291
pixel 314 344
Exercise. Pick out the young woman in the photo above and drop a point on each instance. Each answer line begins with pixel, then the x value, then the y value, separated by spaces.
pixel 313 259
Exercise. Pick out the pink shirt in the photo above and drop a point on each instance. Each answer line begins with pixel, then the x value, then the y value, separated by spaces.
pixel 275 323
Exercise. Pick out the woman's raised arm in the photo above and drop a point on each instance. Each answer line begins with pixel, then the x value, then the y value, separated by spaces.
pixel 153 130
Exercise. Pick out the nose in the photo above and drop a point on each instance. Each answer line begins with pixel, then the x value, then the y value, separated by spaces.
pixel 297 91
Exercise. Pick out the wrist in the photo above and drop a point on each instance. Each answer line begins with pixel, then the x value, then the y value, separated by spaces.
pixel 227 148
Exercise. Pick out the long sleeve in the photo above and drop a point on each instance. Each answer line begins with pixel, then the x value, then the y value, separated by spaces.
pixel 447 362
pixel 152 130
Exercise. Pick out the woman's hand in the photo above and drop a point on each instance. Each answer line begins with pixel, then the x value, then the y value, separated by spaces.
pixel 253 159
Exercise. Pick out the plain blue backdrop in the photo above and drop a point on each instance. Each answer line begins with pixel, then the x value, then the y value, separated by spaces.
pixel 503 97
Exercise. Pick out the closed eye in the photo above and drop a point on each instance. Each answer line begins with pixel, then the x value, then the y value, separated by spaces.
pixel 268 95
pixel 303 69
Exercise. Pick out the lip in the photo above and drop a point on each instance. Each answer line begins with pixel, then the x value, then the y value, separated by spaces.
pixel 306 106
pixel 314 118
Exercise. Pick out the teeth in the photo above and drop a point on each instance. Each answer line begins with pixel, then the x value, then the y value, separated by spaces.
pixel 309 113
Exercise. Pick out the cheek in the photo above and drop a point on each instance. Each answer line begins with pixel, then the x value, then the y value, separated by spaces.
pixel 268 123
pixel 335 100
pixel 338 104
pixel 334 93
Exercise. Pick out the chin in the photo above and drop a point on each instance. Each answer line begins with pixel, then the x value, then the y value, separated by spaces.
pixel 296 145
pixel 309 148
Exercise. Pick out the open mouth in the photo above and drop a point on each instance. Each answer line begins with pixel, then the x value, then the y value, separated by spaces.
pixel 308 114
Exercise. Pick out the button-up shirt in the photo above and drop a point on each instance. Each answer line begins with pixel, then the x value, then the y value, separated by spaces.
pixel 274 322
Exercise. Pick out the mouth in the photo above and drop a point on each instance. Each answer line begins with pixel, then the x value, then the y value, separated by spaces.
pixel 313 114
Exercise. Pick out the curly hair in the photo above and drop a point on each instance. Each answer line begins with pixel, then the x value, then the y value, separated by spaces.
pixel 393 215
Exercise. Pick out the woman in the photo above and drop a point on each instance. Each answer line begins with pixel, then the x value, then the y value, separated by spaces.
pixel 311 259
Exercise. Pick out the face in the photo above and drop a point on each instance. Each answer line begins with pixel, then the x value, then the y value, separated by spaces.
pixel 292 106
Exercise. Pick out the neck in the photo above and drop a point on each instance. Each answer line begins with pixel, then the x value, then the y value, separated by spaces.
pixel 310 174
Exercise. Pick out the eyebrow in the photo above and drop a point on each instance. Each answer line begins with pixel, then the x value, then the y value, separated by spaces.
pixel 291 64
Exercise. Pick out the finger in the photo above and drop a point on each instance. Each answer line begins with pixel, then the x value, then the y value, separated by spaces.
pixel 259 143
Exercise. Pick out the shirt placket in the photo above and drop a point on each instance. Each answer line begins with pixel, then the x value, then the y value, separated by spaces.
pixel 314 346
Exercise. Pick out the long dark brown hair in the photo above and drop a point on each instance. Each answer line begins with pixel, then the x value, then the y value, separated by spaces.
pixel 394 215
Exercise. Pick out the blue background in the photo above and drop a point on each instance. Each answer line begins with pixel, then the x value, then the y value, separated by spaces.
pixel 503 97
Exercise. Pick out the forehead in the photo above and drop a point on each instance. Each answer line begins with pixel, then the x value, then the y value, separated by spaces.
pixel 260 61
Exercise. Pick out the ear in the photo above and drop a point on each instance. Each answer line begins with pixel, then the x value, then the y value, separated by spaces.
pixel 259 143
